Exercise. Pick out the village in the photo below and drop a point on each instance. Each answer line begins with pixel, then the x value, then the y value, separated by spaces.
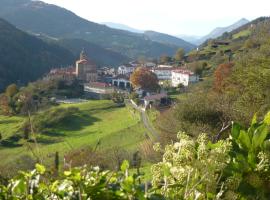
pixel 101 83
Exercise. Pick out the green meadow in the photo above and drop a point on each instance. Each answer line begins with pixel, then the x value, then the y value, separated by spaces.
pixel 96 122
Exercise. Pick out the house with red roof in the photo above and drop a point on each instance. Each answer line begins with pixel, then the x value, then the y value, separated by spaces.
pixel 184 77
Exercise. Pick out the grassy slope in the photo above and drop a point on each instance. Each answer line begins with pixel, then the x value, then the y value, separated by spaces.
pixel 97 120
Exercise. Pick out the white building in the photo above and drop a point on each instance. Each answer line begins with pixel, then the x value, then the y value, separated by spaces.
pixel 184 77
pixel 163 73
pixel 126 69
pixel 149 64
pixel 121 81
pixel 165 66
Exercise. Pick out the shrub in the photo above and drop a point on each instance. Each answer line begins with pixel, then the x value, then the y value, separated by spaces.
pixel 48 119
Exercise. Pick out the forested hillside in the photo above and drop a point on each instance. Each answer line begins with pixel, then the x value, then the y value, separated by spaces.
pixel 24 58
pixel 236 73
pixel 98 54
pixel 39 17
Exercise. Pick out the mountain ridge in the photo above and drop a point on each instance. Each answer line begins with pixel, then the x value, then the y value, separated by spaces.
pixel 220 30
pixel 40 17
pixel 122 27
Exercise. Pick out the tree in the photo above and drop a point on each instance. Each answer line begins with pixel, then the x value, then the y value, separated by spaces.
pixel 180 53
pixel 165 59
pixel 11 90
pixel 4 105
pixel 145 79
pixel 117 97
pixel 222 72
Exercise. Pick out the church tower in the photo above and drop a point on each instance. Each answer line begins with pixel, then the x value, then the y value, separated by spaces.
pixel 83 56
pixel 86 70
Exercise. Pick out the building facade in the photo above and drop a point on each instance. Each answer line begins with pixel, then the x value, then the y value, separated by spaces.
pixel 66 74
pixel 126 69
pixel 183 77
pixel 121 81
pixel 86 70
pixel 163 73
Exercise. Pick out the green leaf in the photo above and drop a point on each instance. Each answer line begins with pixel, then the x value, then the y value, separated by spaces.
pixel 254 119
pixel 40 168
pixel 259 136
pixel 252 159
pixel 124 166
pixel 267 118
pixel 266 145
pixel 19 187
pixel 244 140
pixel 235 130
pixel 166 170
pixel 67 173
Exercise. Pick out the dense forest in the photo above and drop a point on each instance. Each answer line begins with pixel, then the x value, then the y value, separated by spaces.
pixel 25 58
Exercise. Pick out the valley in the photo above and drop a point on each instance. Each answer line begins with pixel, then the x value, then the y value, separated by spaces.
pixel 101 111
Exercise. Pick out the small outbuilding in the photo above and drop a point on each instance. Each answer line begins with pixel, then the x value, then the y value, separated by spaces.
pixel 155 100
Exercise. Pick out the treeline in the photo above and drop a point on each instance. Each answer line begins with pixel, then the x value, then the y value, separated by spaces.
pixel 37 95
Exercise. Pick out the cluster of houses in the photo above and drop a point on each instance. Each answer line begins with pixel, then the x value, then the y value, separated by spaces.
pixel 101 83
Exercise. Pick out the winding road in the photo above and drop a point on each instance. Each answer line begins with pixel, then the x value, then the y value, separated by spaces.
pixel 144 118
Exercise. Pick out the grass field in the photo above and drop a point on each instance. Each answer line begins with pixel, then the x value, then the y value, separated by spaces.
pixel 96 121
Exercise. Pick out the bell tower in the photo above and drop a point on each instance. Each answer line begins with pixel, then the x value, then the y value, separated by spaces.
pixel 83 55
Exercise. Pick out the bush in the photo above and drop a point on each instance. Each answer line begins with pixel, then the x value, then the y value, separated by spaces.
pixel 50 118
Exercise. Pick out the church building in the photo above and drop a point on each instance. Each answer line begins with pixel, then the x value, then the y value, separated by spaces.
pixel 86 70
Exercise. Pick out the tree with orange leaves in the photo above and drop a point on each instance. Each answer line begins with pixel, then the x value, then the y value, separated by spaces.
pixel 221 73
pixel 145 79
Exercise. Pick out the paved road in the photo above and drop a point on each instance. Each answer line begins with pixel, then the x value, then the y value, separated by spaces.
pixel 146 122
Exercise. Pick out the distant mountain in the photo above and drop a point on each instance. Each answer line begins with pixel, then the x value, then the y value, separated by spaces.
pixel 220 30
pixel 56 22
pixel 243 39
pixel 168 39
pixel 25 58
pixel 189 38
pixel 155 36
pixel 122 27
pixel 98 54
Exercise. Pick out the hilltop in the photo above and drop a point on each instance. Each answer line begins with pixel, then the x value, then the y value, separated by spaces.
pixel 217 32
pixel 38 17
pixel 231 44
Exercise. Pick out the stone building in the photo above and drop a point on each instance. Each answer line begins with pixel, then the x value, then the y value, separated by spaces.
pixel 86 70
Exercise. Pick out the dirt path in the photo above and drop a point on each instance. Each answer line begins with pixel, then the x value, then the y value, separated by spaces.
pixel 146 123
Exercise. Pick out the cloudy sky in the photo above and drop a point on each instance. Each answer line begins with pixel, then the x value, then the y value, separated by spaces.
pixel 193 17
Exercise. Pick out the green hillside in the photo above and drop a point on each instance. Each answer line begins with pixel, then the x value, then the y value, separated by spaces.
pixel 168 39
pixel 243 39
pixel 25 58
pixel 98 54
pixel 93 122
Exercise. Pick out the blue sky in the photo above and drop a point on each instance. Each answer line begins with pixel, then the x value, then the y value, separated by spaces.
pixel 192 17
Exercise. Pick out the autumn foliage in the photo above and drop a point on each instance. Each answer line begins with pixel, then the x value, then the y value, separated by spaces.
pixel 145 79
pixel 221 73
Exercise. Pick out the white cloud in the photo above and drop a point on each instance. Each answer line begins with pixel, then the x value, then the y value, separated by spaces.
pixel 196 17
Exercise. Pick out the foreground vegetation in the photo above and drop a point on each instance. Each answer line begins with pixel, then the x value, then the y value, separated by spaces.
pixel 235 168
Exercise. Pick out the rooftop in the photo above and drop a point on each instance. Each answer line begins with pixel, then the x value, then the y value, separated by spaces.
pixel 155 97
pixel 183 71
